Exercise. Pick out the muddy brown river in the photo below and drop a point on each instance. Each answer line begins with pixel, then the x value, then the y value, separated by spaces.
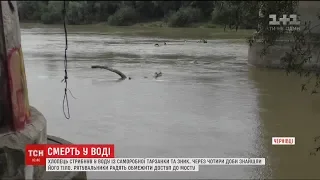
pixel 216 107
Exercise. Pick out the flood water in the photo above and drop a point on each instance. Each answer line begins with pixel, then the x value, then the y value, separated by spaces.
pixel 217 107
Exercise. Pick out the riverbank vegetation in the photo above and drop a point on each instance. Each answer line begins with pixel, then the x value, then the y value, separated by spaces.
pixel 167 19
pixel 148 30
pixel 127 13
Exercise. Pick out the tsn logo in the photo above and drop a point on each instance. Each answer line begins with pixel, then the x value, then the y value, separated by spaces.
pixel 35 155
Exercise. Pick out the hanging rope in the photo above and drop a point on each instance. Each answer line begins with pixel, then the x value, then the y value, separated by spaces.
pixel 65 79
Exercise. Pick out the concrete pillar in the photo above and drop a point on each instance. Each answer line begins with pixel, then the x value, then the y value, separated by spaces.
pixel 20 124
pixel 308 11
pixel 14 63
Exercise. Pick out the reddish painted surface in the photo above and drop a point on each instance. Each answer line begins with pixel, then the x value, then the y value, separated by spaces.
pixel 18 89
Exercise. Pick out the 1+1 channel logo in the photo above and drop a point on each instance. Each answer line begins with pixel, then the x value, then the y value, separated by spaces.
pixel 289 24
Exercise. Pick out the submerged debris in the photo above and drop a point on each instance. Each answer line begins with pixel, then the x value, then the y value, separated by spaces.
pixel 112 70
pixel 157 74
pixel 202 41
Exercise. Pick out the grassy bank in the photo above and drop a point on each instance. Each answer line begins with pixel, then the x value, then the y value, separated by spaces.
pixel 154 29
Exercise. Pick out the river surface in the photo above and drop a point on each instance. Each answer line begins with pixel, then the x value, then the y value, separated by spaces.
pixel 216 107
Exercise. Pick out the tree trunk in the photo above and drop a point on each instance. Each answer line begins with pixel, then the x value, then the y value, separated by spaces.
pixel 110 69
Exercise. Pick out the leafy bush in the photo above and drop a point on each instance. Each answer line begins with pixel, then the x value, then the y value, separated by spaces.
pixel 53 14
pixel 125 16
pixel 31 10
pixel 184 17
pixel 168 15
pixel 236 13
pixel 210 26
pixel 220 16
pixel 76 13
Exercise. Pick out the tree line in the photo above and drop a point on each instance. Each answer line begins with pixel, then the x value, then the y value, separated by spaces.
pixel 125 13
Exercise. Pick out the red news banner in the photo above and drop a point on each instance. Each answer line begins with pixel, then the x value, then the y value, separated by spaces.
pixel 36 154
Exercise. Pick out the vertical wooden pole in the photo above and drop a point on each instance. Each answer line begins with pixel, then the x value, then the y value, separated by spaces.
pixel 6 116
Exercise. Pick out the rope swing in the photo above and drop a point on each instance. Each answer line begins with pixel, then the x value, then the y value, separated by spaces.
pixel 65 102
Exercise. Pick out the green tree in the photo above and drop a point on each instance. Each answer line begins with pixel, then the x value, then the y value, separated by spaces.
pixel 206 7
pixel 52 13
pixel 235 14
pixel 77 12
pixel 125 16
pixel 184 17
pixel 145 9
pixel 31 10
